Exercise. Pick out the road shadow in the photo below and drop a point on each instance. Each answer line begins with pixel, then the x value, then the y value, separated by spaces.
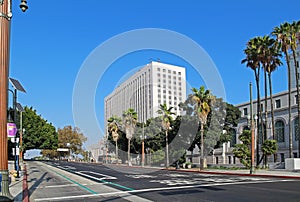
pixel 37 183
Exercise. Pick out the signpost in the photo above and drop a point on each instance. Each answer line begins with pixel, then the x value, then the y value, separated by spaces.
pixel 11 130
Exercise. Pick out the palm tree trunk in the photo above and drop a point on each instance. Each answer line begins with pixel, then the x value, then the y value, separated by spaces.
pixel 272 111
pixel 258 114
pixel 298 97
pixel 266 113
pixel 117 152
pixel 167 150
pixel 289 104
pixel 202 147
pixel 128 153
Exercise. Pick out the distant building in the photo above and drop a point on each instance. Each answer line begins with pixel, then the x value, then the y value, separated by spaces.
pixel 154 84
pixel 98 151
pixel 280 101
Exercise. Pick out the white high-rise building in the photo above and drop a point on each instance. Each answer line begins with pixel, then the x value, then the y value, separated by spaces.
pixel 154 84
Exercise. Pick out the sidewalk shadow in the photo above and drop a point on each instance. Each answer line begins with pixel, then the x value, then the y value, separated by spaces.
pixel 37 183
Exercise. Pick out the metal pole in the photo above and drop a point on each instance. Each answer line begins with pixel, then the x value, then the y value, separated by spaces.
pixel 252 169
pixel 4 69
pixel 21 136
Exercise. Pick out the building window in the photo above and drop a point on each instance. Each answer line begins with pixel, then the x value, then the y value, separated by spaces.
pixel 262 107
pixel 296 129
pixel 158 69
pixel 164 70
pixel 169 71
pixel 279 131
pixel 174 72
pixel 233 137
pixel 164 75
pixel 245 111
pixel 296 99
pixel 179 73
pixel 261 133
pixel 277 104
pixel 158 74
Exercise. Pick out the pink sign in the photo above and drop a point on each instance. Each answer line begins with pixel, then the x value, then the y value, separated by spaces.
pixel 11 130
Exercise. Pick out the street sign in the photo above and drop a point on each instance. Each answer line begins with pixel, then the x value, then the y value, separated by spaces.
pixel 11 129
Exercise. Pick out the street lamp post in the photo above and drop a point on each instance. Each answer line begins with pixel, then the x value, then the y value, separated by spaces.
pixel 5 17
pixel 252 169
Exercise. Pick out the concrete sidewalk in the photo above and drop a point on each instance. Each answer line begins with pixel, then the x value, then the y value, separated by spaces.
pixel 16 185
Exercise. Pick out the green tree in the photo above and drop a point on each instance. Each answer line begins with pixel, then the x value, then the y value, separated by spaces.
pixel 203 100
pixel 71 138
pixel 129 122
pixel 269 147
pixel 39 133
pixel 113 128
pixel 166 117
pixel 242 151
pixel 282 34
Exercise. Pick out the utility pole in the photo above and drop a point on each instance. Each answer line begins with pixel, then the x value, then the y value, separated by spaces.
pixel 4 70
pixel 252 169
pixel 5 19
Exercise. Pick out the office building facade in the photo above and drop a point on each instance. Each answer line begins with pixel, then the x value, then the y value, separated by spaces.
pixel 154 84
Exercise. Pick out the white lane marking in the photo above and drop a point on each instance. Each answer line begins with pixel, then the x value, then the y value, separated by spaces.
pixel 102 176
pixel 123 193
pixel 141 176
pixel 57 186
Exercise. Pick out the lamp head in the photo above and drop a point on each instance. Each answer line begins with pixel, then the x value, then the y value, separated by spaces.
pixel 23 5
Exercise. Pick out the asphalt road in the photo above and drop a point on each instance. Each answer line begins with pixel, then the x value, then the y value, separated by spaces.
pixel 63 181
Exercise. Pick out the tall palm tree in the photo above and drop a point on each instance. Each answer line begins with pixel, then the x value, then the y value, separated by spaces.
pixel 282 34
pixel 166 116
pixel 295 40
pixel 203 100
pixel 253 61
pixel 113 127
pixel 270 60
pixel 275 63
pixel 129 121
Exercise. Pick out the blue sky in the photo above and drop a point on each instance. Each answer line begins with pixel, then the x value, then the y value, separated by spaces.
pixel 51 41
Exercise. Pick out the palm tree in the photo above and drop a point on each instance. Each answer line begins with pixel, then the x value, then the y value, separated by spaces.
pixel 282 34
pixel 295 40
pixel 253 61
pixel 166 116
pixel 129 121
pixel 113 127
pixel 203 100
pixel 270 59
